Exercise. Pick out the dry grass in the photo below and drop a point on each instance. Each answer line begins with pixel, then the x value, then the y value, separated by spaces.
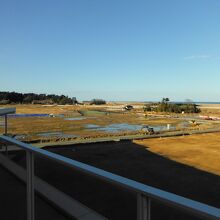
pixel 200 151
pixel 32 126
pixel 41 124
pixel 210 109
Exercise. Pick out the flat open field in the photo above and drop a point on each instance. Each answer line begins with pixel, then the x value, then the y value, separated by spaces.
pixel 133 161
pixel 210 109
pixel 201 151
pixel 76 123
pixel 187 165
pixel 84 121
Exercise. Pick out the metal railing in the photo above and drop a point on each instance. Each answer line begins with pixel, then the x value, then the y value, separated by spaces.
pixel 4 112
pixel 144 192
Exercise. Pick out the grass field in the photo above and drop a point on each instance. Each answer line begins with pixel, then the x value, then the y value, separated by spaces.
pixel 133 161
pixel 201 151
pixel 89 114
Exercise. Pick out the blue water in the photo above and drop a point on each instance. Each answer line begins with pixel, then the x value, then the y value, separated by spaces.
pixel 75 119
pixel 197 102
pixel 124 127
pixel 92 126
pixel 27 115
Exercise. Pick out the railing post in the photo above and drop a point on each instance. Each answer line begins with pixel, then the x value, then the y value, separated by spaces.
pixel 143 207
pixel 6 150
pixel 30 185
pixel 6 124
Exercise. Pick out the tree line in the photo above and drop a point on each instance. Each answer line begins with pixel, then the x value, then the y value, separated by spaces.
pixel 32 98
pixel 166 106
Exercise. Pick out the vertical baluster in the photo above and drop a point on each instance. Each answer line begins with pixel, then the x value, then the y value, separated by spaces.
pixel 143 207
pixel 6 124
pixel 6 150
pixel 30 186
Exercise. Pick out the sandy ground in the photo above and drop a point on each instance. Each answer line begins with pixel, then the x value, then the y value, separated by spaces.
pixel 201 151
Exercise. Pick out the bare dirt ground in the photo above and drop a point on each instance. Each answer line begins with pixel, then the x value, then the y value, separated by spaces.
pixel 201 151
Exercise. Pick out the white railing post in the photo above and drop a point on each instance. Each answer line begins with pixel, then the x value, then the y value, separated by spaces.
pixel 30 185
pixel 143 207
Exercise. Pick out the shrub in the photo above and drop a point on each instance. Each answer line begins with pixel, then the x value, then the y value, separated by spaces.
pixel 165 106
pixel 97 102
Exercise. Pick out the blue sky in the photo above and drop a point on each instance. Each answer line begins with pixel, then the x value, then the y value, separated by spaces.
pixel 112 49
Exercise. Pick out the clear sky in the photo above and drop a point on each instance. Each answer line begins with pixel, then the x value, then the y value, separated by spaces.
pixel 112 49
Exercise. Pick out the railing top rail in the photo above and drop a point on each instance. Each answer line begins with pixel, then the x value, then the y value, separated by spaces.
pixel 5 111
pixel 174 200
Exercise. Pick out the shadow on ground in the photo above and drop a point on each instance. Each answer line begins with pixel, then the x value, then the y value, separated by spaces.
pixel 132 161
pixel 13 201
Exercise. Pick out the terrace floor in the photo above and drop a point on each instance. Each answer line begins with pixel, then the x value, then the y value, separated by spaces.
pixel 13 201
pixel 125 158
